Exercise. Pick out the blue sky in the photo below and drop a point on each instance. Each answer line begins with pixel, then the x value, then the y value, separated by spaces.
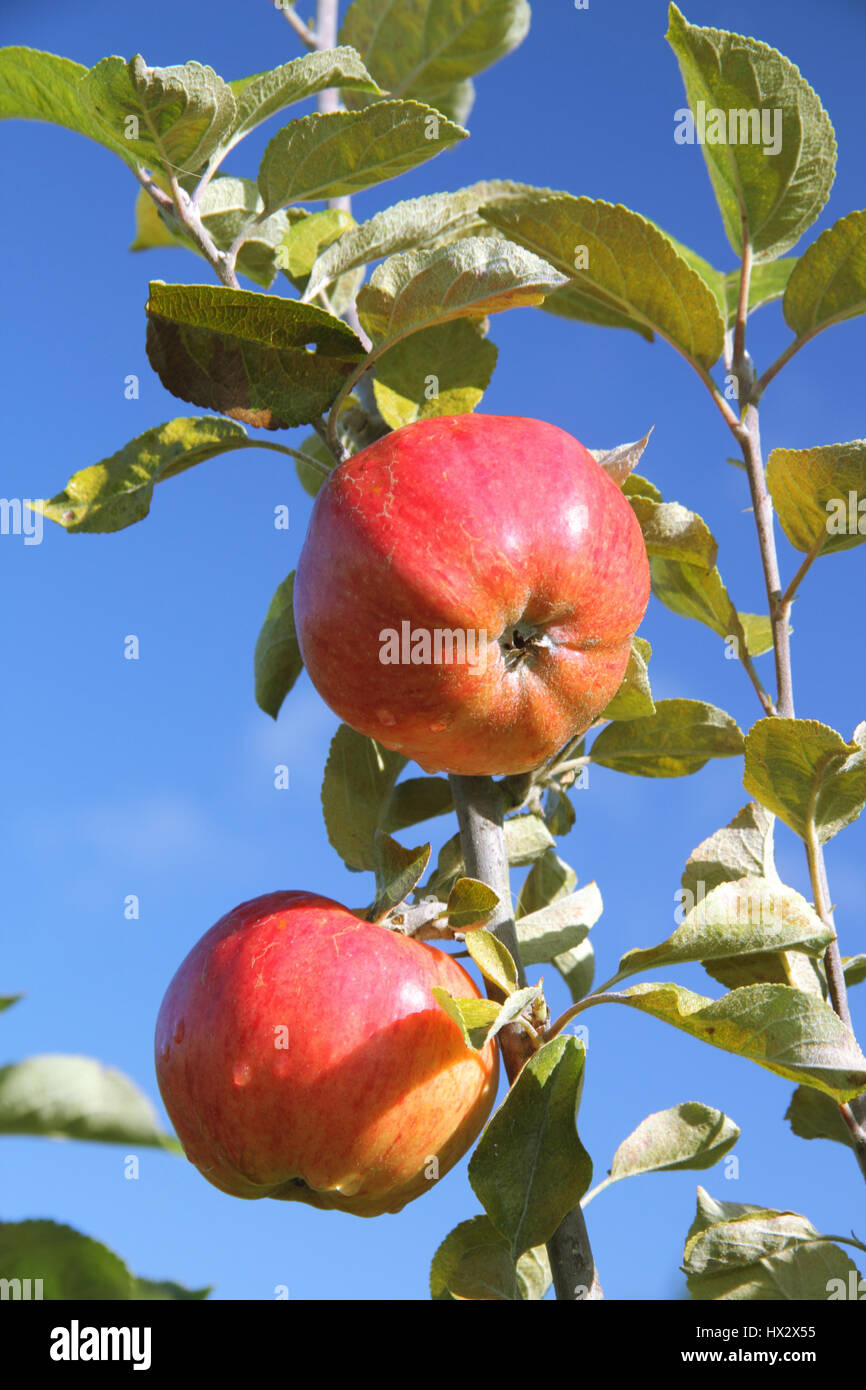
pixel 155 776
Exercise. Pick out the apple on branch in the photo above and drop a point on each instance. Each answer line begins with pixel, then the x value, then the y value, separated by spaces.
pixel 301 1055
pixel 468 590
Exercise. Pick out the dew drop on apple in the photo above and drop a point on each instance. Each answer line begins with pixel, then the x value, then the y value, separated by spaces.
pixel 241 1073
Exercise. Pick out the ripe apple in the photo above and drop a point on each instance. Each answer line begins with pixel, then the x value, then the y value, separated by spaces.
pixel 301 1055
pixel 468 590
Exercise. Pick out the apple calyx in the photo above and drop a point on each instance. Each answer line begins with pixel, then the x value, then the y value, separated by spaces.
pixel 521 641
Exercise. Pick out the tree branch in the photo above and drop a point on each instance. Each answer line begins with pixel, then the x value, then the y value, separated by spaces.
pixel 749 437
pixel 290 14
pixel 480 808
pixel 187 214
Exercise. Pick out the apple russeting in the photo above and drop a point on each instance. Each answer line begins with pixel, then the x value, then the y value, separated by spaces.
pixel 468 590
pixel 301 1055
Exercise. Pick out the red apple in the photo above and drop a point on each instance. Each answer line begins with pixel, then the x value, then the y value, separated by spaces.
pixel 301 1055
pixel 468 590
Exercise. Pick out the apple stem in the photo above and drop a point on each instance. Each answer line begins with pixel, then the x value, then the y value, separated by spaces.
pixel 480 807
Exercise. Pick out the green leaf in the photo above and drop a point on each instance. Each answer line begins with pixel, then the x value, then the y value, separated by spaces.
pixel 474 1262
pixel 470 904
pixel 7 1000
pixel 620 462
pixel 548 880
pixel 305 239
pixel 736 1252
pixel 559 814
pixel 398 869
pixel 820 492
pixel 359 778
pixel 805 772
pixel 429 49
pixel 164 1290
pixel 530 1168
pixel 173 119
pixel 695 592
pixel 585 306
pixel 812 1115
pixel 470 278
pixel 117 492
pixel 45 87
pixel 474 1017
pixel 634 699
pixel 527 838
pixel 263 95
pixel 829 282
pixel 277 662
pixel 70 1097
pixel 312 479
pixel 553 930
pixel 493 959
pixel 621 263
pixel 246 354
pixel 788 1032
pixel 757 630
pixel 577 968
pixel 636 486
pixel 770 968
pixel 443 370
pixel 854 968
pixel 534 1276
pixel 151 230
pixel 689 1135
pixel 343 152
pixel 449 867
pixel 70 1265
pixel 417 799
pixel 677 740
pixel 778 179
pixel 710 1212
pixel 514 1006
pixel 744 848
pixel 767 281
pixel 432 220
pixel 737 918
pixel 674 533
